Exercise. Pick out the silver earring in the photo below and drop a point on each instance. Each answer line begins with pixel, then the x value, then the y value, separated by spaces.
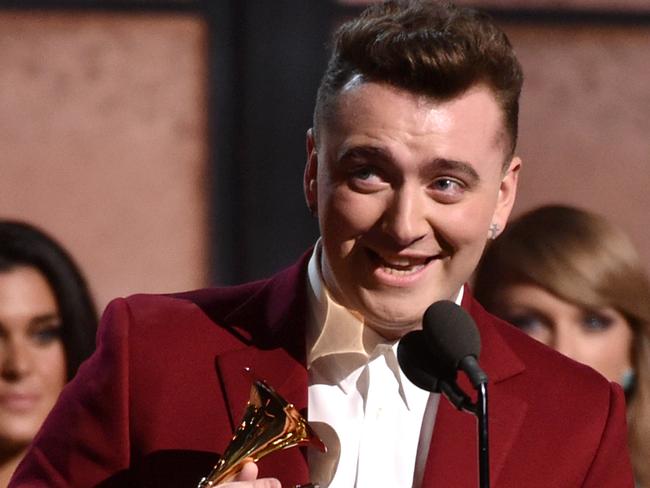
pixel 494 230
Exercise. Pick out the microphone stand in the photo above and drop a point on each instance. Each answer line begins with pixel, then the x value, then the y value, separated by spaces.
pixel 483 445
pixel 413 355
pixel 480 409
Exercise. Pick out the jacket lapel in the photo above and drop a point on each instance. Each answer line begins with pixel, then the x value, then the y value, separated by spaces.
pixel 274 321
pixel 453 454
pixel 286 376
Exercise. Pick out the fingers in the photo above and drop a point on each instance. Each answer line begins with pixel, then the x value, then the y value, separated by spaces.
pixel 248 473
pixel 261 483
pixel 246 478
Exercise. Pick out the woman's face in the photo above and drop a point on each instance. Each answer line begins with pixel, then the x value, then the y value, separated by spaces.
pixel 32 357
pixel 600 338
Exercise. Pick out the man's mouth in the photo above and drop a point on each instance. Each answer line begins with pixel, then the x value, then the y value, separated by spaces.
pixel 399 265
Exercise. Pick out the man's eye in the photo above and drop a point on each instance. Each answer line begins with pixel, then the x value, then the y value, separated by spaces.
pixel 447 190
pixel 447 184
pixel 364 173
pixel 366 179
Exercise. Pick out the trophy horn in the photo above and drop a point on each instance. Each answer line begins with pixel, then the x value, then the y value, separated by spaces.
pixel 269 424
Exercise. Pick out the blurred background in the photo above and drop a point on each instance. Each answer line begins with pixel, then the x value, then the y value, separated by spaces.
pixel 162 142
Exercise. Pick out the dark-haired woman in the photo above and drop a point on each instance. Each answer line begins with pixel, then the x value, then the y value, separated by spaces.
pixel 47 328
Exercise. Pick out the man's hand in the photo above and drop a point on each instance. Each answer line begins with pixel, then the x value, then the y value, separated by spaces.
pixel 247 478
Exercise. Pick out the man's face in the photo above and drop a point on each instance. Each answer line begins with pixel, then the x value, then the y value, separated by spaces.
pixel 406 189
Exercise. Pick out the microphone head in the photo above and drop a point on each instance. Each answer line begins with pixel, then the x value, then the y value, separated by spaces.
pixel 414 358
pixel 451 335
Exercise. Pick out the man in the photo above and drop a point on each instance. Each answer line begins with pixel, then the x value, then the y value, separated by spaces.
pixel 410 169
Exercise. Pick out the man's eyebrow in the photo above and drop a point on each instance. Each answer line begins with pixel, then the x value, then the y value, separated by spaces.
pixel 364 152
pixel 454 165
pixel 380 154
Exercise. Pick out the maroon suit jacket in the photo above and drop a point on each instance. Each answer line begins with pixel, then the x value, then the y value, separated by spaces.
pixel 164 391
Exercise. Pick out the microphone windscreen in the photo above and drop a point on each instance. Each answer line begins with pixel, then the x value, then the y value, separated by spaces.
pixel 414 358
pixel 451 335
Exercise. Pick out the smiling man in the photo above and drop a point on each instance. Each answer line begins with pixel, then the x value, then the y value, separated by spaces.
pixel 407 189
pixel 411 168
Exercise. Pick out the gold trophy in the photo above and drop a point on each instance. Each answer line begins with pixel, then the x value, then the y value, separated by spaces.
pixel 269 424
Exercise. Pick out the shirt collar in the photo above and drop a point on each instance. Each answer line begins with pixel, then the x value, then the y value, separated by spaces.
pixel 334 329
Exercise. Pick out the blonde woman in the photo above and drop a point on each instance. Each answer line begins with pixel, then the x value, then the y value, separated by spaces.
pixel 572 280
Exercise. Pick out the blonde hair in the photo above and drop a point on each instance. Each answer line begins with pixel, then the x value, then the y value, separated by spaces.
pixel 583 259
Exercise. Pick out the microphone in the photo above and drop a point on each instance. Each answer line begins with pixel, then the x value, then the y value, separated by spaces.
pixel 420 367
pixel 430 358
pixel 453 340
pixel 414 359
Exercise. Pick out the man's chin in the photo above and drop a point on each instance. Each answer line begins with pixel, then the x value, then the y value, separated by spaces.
pixel 393 332
pixel 397 315
pixel 394 323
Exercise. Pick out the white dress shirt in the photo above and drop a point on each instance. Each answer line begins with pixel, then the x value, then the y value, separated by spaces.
pixel 376 423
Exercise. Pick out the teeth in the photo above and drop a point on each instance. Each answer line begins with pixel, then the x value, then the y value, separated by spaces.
pixel 402 271
pixel 402 262
pixel 399 265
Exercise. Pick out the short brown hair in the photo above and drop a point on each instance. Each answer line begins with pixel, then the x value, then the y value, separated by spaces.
pixel 429 48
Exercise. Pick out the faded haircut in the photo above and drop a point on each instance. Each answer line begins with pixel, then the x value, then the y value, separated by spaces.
pixel 429 48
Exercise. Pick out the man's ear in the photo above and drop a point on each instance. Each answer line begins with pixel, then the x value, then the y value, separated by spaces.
pixel 311 170
pixel 506 197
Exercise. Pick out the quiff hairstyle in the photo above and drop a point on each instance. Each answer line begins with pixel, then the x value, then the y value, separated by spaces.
pixel 428 48
pixel 583 259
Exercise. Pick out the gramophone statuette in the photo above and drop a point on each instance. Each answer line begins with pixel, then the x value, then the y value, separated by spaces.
pixel 269 424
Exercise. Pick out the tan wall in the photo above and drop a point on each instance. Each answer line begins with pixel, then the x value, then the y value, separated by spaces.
pixel 103 139
pixel 621 5
pixel 103 135
pixel 585 119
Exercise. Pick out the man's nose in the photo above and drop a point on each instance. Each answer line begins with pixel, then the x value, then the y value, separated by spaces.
pixel 405 219
pixel 16 360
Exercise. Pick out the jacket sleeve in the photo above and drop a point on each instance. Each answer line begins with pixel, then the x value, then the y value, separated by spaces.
pixel 611 466
pixel 85 438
